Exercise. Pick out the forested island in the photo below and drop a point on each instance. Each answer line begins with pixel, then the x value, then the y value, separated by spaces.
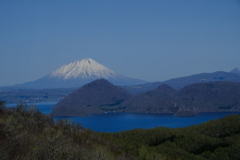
pixel 26 133
pixel 101 96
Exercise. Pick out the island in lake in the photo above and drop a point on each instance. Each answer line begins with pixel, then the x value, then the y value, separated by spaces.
pixel 101 96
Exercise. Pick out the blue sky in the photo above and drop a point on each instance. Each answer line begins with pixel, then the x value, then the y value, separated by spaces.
pixel 151 40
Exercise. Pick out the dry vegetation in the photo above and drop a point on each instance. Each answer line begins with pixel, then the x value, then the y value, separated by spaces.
pixel 26 133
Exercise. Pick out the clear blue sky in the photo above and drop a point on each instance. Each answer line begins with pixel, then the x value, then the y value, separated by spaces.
pixel 153 40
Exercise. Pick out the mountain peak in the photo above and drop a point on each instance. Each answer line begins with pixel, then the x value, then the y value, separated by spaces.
pixel 86 68
pixel 79 73
pixel 99 82
pixel 85 60
pixel 236 71
pixel 164 89
pixel 93 98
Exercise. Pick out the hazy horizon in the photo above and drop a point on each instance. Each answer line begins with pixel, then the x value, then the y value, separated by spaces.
pixel 148 40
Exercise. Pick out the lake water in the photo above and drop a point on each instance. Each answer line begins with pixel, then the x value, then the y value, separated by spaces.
pixel 114 122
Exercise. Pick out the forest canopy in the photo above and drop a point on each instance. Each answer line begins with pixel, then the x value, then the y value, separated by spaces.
pixel 26 133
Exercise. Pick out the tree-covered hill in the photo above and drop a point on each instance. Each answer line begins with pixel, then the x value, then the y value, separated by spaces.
pixel 26 133
pixel 101 96
pixel 210 96
pixel 159 100
pixel 188 101
pixel 92 98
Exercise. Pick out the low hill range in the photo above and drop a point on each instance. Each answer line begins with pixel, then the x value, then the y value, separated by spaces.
pixel 188 101
pixel 178 83
pixel 101 96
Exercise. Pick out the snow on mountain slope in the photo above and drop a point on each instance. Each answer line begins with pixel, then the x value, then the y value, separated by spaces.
pixel 79 73
pixel 85 68
pixel 236 71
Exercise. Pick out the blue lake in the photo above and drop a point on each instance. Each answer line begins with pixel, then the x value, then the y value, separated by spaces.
pixel 114 122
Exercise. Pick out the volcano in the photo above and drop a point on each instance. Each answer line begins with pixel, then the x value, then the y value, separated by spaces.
pixel 77 74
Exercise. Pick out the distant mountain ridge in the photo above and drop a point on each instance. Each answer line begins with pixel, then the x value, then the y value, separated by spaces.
pixel 77 74
pixel 178 83
pixel 235 71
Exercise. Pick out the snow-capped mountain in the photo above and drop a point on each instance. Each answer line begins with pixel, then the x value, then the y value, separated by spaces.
pixel 236 71
pixel 85 68
pixel 79 73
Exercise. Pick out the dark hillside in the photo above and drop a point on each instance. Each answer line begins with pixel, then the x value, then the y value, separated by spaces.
pixel 188 101
pixel 93 98
pixel 101 96
pixel 26 133
pixel 213 140
pixel 154 101
pixel 210 96
pixel 164 89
